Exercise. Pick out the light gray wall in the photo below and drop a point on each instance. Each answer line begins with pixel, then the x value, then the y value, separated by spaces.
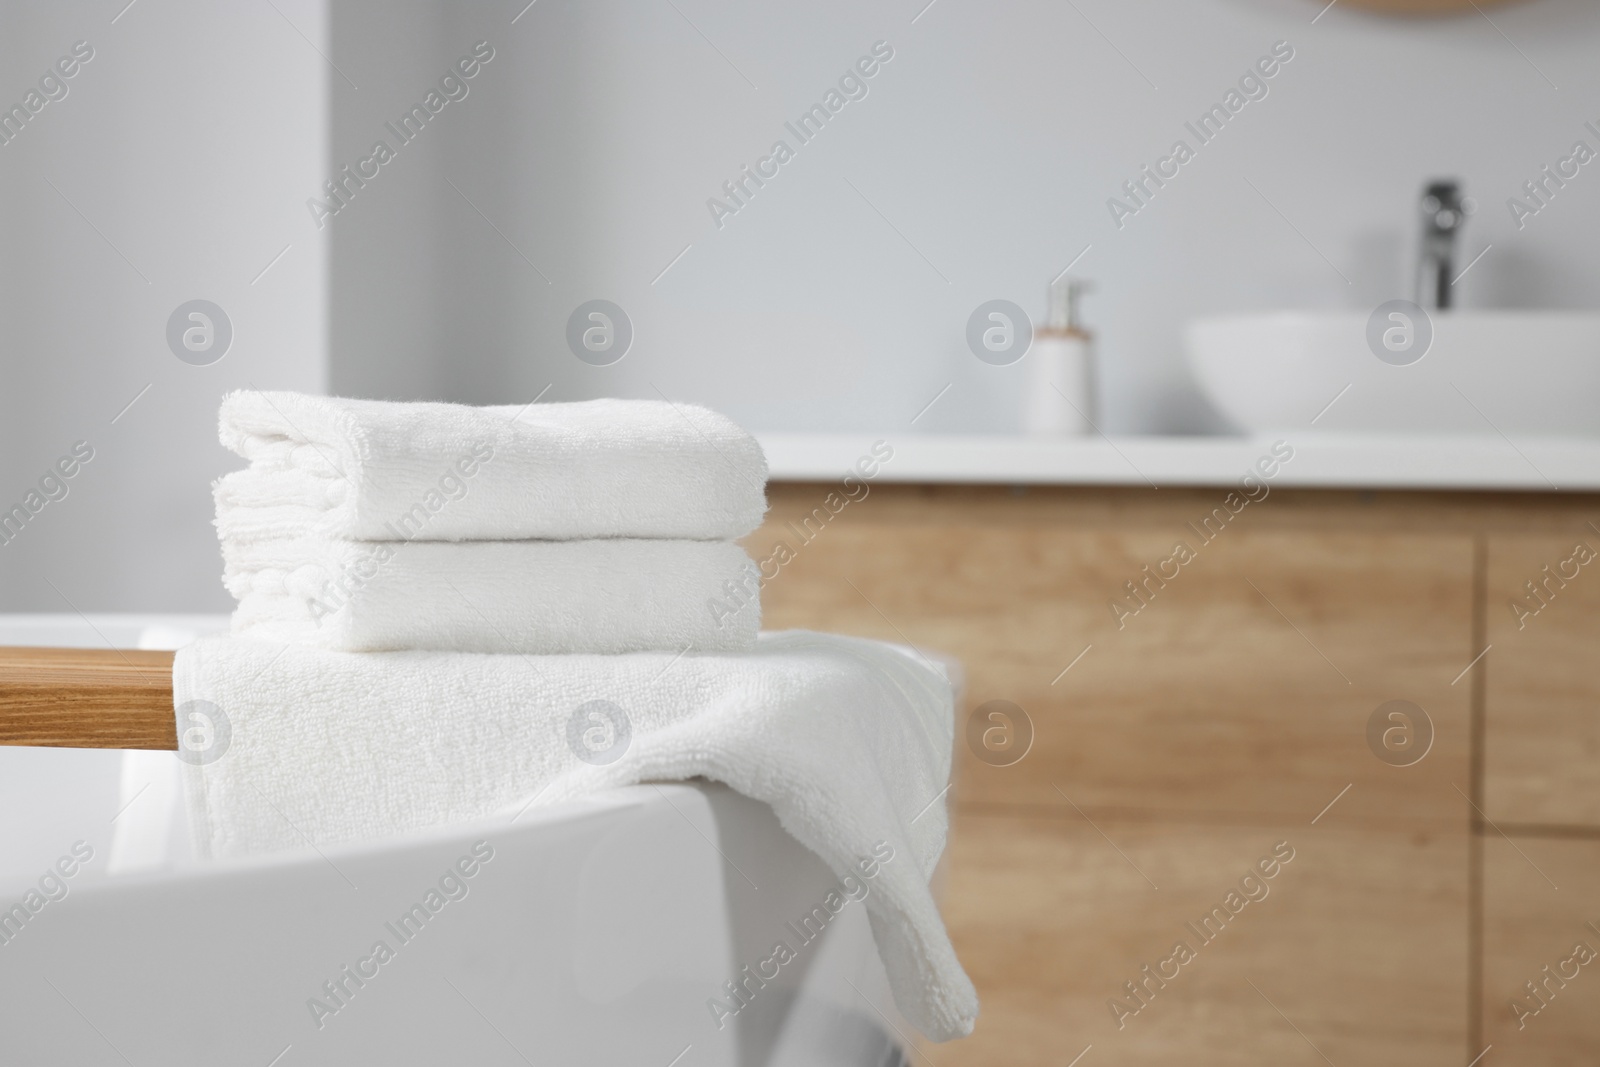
pixel 579 167
pixel 175 168
pixel 987 148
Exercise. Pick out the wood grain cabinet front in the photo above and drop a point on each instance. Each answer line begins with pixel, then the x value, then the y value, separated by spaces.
pixel 1185 692
pixel 1541 984
pixel 1542 745
pixel 1161 942
pixel 1244 684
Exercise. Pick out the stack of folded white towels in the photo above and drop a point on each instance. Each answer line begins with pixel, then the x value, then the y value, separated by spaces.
pixel 599 526
pixel 397 551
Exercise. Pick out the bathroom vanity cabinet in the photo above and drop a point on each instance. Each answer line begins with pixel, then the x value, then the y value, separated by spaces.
pixel 1228 713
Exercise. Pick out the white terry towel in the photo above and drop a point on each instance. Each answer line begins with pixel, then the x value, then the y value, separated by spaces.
pixel 617 595
pixel 372 470
pixel 848 740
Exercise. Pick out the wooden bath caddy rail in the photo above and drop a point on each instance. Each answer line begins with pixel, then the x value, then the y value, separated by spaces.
pixel 86 698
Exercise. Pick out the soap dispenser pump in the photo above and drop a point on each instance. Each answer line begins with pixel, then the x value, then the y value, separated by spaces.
pixel 1059 399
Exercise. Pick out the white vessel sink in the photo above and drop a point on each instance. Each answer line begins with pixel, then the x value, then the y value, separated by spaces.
pixel 1485 372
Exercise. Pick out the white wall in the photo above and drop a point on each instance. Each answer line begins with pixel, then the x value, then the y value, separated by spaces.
pixel 991 143
pixel 182 152
pixel 978 165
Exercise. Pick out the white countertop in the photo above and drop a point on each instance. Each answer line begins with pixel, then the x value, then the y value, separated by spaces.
pixel 1320 460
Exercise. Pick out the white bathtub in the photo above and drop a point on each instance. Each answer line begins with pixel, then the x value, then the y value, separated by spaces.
pixel 596 934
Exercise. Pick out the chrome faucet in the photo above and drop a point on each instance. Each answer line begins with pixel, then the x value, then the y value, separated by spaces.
pixel 1442 216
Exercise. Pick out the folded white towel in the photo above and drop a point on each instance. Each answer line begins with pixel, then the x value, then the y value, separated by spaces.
pixel 848 740
pixel 617 595
pixel 371 470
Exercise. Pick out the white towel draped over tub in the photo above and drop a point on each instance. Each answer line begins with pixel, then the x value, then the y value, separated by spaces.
pixel 614 595
pixel 370 470
pixel 848 740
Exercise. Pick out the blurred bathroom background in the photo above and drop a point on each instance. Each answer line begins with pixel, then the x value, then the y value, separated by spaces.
pixel 180 163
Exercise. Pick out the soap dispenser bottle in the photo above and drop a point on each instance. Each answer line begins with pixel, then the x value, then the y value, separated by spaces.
pixel 1059 398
